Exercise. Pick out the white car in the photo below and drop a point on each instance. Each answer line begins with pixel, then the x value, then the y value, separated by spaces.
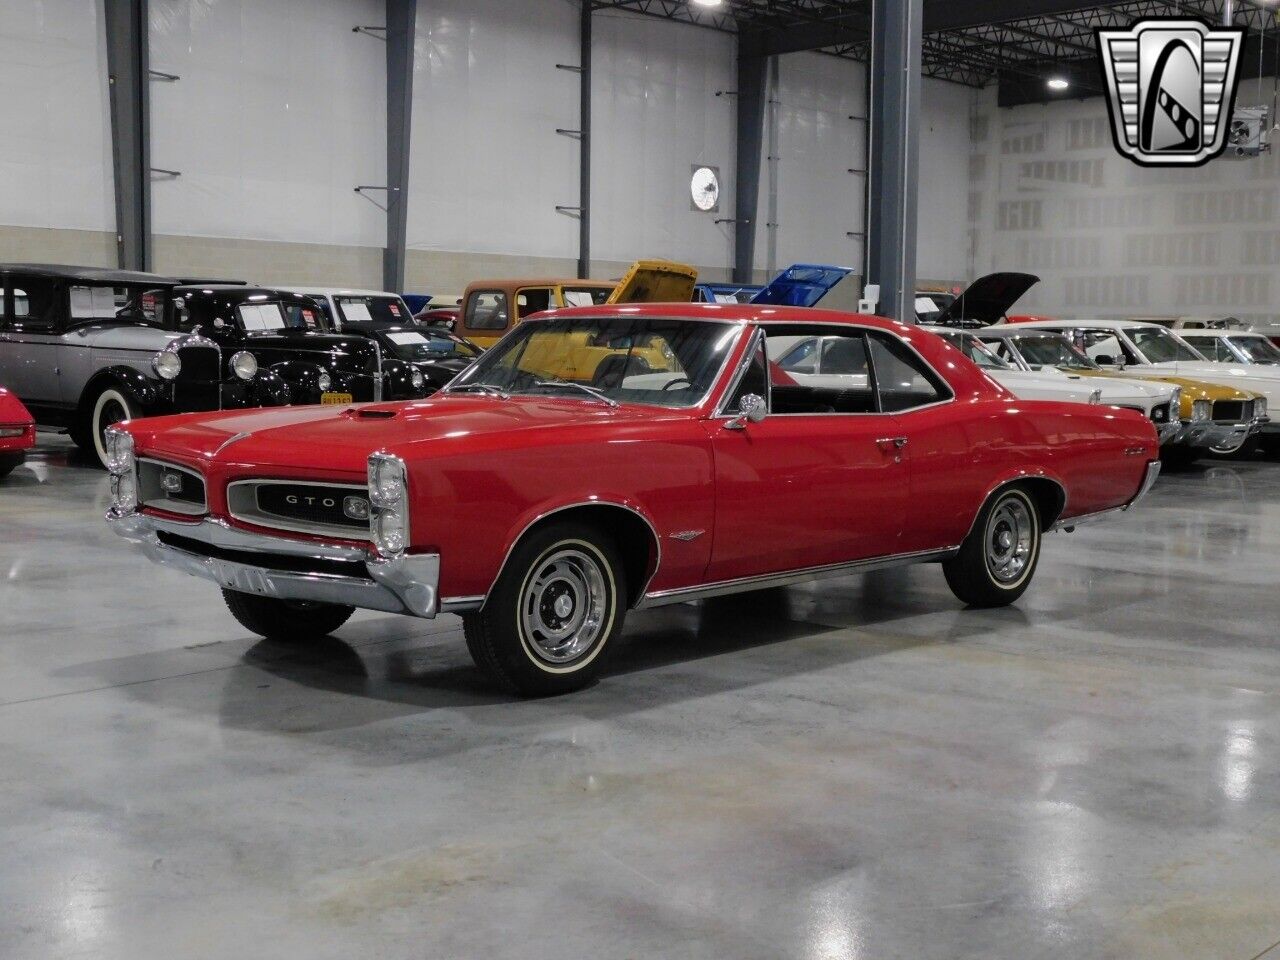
pixel 1234 346
pixel 1153 348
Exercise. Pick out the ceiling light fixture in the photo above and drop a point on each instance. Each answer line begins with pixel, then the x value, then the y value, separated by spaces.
pixel 1057 83
pixel 706 3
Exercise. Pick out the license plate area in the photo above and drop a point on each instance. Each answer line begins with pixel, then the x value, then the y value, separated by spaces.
pixel 335 399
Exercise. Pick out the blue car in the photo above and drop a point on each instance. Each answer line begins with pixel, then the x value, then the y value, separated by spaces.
pixel 725 292
pixel 802 285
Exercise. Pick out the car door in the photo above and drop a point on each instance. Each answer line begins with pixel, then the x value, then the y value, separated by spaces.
pixel 821 480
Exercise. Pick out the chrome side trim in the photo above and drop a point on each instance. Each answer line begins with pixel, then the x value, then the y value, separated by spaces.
pixel 784 578
pixel 242 504
pixel 460 604
pixel 1148 481
pixel 406 584
pixel 657 541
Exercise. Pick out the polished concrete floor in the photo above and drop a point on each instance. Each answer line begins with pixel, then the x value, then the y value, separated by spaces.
pixel 860 769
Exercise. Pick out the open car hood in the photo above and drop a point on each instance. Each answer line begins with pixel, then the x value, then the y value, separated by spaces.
pixel 802 285
pixel 987 299
pixel 655 281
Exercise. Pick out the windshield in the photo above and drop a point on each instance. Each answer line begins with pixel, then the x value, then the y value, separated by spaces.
pixel 1158 345
pixel 975 350
pixel 1052 351
pixel 363 309
pixel 1257 349
pixel 428 344
pixel 668 363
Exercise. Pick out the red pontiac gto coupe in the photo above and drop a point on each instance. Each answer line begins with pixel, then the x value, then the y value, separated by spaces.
pixel 542 506
pixel 17 432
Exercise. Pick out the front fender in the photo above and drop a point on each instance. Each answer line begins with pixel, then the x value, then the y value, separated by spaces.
pixel 397 381
pixel 149 394
pixel 302 379
pixel 266 389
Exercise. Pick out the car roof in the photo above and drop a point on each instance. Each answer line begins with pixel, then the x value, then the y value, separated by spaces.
pixel 740 313
pixel 1016 330
pixel 234 291
pixel 338 291
pixel 1106 324
pixel 62 271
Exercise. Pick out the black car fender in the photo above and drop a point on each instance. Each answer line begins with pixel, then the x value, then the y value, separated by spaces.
pixel 149 395
pixel 397 381
pixel 302 379
pixel 266 389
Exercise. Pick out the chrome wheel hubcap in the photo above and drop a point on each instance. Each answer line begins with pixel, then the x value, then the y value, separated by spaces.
pixel 1010 534
pixel 563 607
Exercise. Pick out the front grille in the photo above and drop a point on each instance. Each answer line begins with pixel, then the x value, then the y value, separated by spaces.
pixel 1233 411
pixel 321 508
pixel 166 486
pixel 200 364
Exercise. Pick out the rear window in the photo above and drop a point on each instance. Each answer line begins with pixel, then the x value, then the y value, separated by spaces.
pixel 363 309
pixel 257 317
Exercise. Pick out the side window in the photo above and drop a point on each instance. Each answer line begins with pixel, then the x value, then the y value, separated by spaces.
pixel 533 300
pixel 1103 347
pixel 844 356
pixel 754 380
pixel 903 380
pixel 802 358
pixel 841 382
pixel 34 304
pixel 486 310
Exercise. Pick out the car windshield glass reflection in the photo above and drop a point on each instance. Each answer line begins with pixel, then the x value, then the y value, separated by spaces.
pixel 426 344
pixel 1257 349
pixel 1160 346
pixel 1052 352
pixel 977 351
pixel 669 363
pixel 364 309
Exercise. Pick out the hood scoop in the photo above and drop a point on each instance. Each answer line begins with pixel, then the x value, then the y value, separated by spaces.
pixel 371 413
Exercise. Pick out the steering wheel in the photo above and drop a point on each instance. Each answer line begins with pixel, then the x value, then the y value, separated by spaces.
pixel 671 383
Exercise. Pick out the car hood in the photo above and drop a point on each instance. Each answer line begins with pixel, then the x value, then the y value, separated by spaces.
pixel 1116 389
pixel 655 281
pixel 988 298
pixel 802 284
pixel 340 439
pixel 1195 389
pixel 1035 386
pixel 1231 374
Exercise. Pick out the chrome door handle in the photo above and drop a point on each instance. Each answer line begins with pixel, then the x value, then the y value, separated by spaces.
pixel 891 443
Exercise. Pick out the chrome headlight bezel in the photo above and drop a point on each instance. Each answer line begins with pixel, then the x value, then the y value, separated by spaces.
pixel 167 364
pixel 388 504
pixel 1260 407
pixel 417 379
pixel 1175 404
pixel 324 381
pixel 244 365
pixel 122 465
pixel 1201 410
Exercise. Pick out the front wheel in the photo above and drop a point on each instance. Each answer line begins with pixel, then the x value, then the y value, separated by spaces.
pixel 286 619
pixel 548 622
pixel 998 558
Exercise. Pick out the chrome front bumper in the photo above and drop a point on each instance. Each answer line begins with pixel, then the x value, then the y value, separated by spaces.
pixel 1207 433
pixel 1168 432
pixel 277 567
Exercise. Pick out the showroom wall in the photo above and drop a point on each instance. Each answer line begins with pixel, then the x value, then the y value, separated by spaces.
pixel 279 113
pixel 1049 195
pixel 56 199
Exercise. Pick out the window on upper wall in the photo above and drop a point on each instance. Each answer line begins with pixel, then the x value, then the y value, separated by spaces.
pixel 486 310
pixel 903 380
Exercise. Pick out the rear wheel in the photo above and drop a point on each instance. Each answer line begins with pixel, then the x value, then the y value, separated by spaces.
pixel 998 558
pixel 109 408
pixel 548 622
pixel 285 619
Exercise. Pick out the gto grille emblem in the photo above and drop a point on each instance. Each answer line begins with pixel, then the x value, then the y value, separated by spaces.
pixel 357 508
pixel 1171 86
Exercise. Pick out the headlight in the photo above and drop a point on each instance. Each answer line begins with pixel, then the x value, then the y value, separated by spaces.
pixel 389 504
pixel 1260 407
pixel 1175 404
pixel 324 381
pixel 244 365
pixel 1202 410
pixel 119 447
pixel 167 364
pixel 417 379
pixel 1095 396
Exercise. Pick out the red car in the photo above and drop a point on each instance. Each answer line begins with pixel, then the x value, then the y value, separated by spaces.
pixel 17 432
pixel 542 507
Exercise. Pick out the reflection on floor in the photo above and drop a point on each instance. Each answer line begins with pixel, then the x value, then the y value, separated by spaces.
pixel 855 769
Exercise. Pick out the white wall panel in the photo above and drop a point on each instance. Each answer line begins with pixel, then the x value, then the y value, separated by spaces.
pixel 55 150
pixel 486 166
pixel 819 201
pixel 656 114
pixel 942 248
pixel 280 113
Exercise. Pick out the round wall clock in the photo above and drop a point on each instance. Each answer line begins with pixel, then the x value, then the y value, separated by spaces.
pixel 704 188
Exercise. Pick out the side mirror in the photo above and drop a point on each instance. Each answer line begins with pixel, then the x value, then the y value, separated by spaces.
pixel 1105 360
pixel 751 409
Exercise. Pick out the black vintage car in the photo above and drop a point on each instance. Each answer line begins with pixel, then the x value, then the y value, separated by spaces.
pixel 434 352
pixel 86 347
pixel 255 328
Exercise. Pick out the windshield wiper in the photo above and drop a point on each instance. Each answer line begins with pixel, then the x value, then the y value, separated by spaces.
pixel 593 391
pixel 486 388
